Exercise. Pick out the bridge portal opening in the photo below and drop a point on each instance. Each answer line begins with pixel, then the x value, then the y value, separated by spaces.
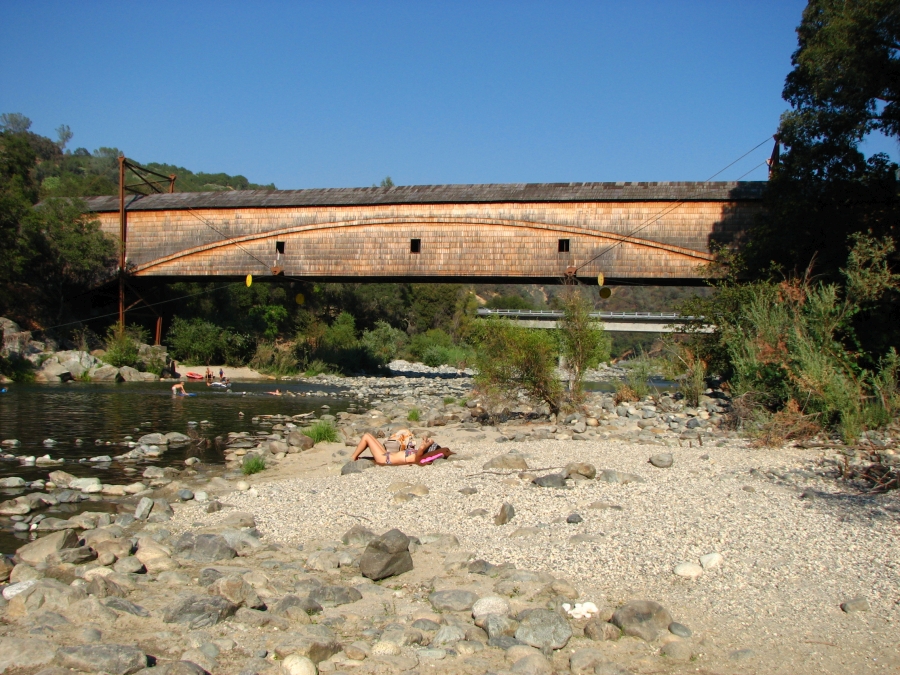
pixel 563 246
pixel 415 245
pixel 279 247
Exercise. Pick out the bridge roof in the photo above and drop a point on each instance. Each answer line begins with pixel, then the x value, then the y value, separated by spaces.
pixel 441 194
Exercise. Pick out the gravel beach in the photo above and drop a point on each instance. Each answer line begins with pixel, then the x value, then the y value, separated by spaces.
pixel 793 545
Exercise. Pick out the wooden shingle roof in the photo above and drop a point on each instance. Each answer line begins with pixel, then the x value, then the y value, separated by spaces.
pixel 440 194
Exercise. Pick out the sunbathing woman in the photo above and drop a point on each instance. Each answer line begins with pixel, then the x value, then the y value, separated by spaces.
pixel 406 451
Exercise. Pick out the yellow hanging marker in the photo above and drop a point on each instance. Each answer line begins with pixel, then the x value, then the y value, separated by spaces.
pixel 299 298
pixel 600 279
pixel 249 280
pixel 605 292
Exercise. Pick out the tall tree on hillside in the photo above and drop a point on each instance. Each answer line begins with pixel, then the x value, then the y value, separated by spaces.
pixel 845 85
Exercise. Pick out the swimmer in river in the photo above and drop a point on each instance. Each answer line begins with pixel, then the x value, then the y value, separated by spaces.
pixel 178 389
pixel 277 392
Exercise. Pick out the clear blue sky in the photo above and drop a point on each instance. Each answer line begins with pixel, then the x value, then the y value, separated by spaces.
pixel 335 94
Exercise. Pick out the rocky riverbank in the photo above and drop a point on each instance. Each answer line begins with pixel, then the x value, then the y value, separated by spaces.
pixel 630 538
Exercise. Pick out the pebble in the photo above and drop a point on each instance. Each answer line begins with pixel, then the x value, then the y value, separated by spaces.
pixel 688 570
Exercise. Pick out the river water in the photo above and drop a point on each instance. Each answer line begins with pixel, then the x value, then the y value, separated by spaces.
pixel 109 413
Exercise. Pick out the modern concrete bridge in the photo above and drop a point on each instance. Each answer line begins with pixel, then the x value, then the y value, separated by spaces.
pixel 656 233
pixel 630 322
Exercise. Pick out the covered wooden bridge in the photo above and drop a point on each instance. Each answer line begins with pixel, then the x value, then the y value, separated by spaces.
pixel 655 233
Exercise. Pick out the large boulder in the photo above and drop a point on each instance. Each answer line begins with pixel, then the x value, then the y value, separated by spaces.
pixel 20 653
pixel 386 556
pixel 105 373
pixel 204 547
pixel 104 658
pixel 41 549
pixel 237 591
pixel 53 371
pixel 544 629
pixel 45 595
pixel 130 374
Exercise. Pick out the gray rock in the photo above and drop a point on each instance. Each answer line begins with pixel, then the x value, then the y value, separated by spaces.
pixel 663 460
pixel 602 630
pixel 176 438
pixel 580 469
pixel 38 551
pixel 468 491
pixel 89 485
pixel 204 547
pixel 454 600
pixel 620 477
pixel 513 461
pixel 12 482
pixel 73 556
pixel 386 556
pixel 237 591
pixel 553 480
pixel 358 535
pixel 678 650
pixel 333 596
pixel 142 510
pixel 544 629
pixel 105 374
pixel 114 659
pixel 448 634
pixel 859 604
pixel 498 625
pixel 426 624
pixel 506 514
pixel 129 565
pixel 533 664
pixel 583 661
pixel 642 618
pixel 18 652
pixel 185 495
pixel 574 519
pixel 199 611
pixel 680 630
pixel 295 608
pixel 153 439
pixel 122 605
pixel 130 374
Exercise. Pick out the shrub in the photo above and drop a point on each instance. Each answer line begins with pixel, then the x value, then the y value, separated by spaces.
pixel 253 464
pixel 17 369
pixel 448 400
pixel 638 376
pixel 509 358
pixel 123 347
pixel 323 430
pixel 414 415
pixel 317 367
pixel 384 342
pixel 792 344
pixel 420 343
pixel 582 340
pixel 275 358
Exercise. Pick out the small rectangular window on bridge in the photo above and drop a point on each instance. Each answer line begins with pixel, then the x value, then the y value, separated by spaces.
pixel 563 245
pixel 415 245
pixel 279 247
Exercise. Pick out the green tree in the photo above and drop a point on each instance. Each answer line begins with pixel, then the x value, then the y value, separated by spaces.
pixel 14 123
pixel 845 85
pixel 582 341
pixel 509 358
pixel 70 252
